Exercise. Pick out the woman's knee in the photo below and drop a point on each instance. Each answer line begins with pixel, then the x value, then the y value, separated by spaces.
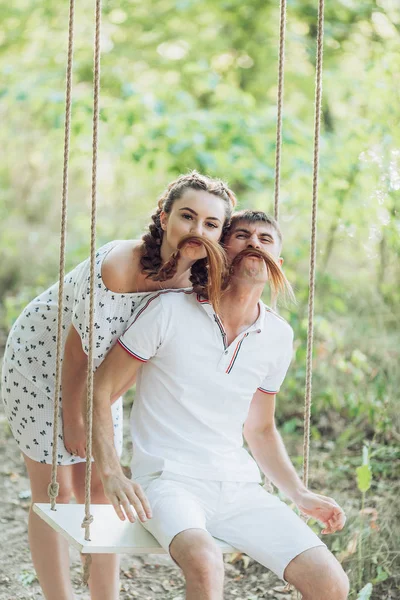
pixel 96 487
pixel 41 494
pixel 40 477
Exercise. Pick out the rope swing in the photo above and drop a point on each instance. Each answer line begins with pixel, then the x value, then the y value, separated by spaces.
pixel 140 541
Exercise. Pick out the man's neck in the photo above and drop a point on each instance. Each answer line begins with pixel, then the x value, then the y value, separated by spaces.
pixel 239 307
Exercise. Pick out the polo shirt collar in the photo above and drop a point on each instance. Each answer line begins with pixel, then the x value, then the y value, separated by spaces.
pixel 258 325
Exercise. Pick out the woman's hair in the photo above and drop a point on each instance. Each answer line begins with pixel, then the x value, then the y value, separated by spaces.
pixel 215 266
pixel 151 261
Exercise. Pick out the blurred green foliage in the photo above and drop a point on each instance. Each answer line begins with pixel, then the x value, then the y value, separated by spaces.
pixel 189 84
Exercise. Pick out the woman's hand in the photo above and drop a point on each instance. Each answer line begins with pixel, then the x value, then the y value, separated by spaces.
pixel 323 509
pixel 74 435
pixel 123 494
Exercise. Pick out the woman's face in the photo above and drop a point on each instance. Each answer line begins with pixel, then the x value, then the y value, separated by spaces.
pixel 196 212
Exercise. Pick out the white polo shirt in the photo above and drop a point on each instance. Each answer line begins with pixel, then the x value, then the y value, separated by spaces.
pixel 194 391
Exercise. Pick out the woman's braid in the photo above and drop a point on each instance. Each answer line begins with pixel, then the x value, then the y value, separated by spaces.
pixel 199 276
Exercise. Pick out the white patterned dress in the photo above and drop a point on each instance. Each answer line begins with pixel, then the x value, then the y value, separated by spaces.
pixel 28 375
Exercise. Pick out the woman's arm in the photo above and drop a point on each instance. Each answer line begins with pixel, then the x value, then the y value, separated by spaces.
pixel 118 269
pixel 73 381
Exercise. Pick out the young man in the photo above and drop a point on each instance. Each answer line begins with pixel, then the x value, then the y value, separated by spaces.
pixel 206 380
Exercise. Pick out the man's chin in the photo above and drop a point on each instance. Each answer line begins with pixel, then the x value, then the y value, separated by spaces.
pixel 254 276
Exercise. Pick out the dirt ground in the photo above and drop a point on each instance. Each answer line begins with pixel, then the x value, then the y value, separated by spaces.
pixel 153 577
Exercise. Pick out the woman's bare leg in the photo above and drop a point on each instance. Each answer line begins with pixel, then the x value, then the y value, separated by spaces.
pixel 50 552
pixel 104 572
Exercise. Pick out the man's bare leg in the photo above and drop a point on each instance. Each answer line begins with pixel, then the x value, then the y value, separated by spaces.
pixel 318 575
pixel 201 562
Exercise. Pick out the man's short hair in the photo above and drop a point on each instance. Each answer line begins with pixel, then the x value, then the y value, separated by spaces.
pixel 251 216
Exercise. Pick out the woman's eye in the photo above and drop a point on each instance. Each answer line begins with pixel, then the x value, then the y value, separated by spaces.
pixel 212 225
pixel 187 216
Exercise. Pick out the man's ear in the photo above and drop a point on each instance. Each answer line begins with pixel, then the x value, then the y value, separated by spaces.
pixel 163 220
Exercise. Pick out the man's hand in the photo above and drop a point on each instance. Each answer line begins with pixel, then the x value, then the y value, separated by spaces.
pixel 323 509
pixel 123 494
pixel 74 436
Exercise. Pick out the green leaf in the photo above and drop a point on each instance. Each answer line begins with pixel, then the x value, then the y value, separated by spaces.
pixel 382 575
pixel 364 478
pixel 365 593
pixel 27 577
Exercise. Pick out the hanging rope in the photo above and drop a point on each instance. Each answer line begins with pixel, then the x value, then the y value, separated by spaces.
pixel 89 407
pixel 310 333
pixel 281 72
pixel 54 486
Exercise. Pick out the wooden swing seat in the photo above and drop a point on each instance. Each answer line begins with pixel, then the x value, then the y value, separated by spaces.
pixel 109 535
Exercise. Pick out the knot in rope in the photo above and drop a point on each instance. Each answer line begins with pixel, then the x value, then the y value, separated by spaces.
pixel 87 521
pixel 53 489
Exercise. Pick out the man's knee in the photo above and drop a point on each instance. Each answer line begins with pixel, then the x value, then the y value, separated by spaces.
pixel 316 573
pixel 198 555
pixel 335 584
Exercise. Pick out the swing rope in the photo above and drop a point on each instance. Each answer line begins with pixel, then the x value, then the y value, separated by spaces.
pixel 310 332
pixel 89 404
pixel 54 486
pixel 281 73
pixel 278 147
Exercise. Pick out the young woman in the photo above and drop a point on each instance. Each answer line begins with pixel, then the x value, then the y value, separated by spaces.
pixel 125 272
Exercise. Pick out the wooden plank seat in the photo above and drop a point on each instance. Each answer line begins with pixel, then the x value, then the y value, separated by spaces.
pixel 109 535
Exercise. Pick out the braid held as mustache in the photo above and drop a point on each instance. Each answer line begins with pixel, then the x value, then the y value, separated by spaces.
pixel 276 278
pixel 214 265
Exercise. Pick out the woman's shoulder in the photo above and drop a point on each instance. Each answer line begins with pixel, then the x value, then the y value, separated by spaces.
pixel 121 266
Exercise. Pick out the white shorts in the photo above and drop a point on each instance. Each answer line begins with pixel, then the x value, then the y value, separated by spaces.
pixel 242 514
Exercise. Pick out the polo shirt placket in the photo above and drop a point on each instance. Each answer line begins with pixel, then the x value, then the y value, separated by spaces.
pixel 230 353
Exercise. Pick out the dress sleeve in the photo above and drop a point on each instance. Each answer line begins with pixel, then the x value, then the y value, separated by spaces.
pixel 146 330
pixel 80 309
pixel 273 381
pixel 81 305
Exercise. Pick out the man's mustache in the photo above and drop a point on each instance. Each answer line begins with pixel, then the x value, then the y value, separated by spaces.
pixel 273 267
pixel 276 278
pixel 265 256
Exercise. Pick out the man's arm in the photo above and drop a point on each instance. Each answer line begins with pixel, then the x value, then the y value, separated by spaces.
pixel 115 375
pixel 270 454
